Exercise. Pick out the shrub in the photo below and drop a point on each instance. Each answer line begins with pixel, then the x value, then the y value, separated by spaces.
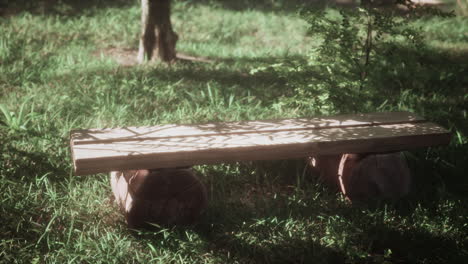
pixel 365 56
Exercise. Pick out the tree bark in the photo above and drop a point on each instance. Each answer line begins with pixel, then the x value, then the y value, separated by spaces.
pixel 156 31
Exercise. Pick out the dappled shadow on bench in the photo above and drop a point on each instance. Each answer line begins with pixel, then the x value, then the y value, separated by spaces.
pixel 186 145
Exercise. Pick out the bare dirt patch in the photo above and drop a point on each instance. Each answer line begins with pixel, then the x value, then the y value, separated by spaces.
pixel 128 57
pixel 124 57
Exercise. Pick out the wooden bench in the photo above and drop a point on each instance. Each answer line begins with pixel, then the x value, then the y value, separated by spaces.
pixel 171 146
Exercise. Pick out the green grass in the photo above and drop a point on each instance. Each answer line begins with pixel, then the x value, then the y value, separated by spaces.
pixel 56 75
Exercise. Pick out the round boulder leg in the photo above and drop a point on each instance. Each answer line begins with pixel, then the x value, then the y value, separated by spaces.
pixel 162 196
pixel 326 167
pixel 363 177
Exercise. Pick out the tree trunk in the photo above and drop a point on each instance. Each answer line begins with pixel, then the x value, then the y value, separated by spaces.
pixel 156 31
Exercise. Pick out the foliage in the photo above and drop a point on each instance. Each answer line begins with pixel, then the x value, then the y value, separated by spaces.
pixel 357 40
pixel 359 50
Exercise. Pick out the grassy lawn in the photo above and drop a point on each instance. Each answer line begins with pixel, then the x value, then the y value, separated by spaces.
pixel 67 67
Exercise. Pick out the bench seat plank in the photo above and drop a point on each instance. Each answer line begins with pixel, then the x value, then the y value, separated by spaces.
pixel 131 133
pixel 93 152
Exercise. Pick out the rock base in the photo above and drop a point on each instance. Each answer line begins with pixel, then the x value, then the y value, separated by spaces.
pixel 365 176
pixel 164 197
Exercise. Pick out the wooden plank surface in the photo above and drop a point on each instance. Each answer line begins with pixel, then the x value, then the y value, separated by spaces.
pixel 95 152
pixel 131 133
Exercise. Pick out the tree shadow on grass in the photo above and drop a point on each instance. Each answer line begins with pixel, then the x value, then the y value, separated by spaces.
pixel 73 7
pixel 295 250
pixel 266 85
pixel 232 226
pixel 261 5
pixel 58 7
pixel 18 162
pixel 433 79
pixel 281 6
pixel 415 246
pixel 292 6
pixel 235 232
pixel 238 233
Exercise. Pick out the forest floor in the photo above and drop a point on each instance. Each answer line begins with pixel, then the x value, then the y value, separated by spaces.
pixel 66 67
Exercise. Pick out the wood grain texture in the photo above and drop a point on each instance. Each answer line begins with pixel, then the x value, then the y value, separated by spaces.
pixel 172 130
pixel 185 145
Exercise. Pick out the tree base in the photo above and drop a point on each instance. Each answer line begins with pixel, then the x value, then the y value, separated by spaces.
pixel 156 32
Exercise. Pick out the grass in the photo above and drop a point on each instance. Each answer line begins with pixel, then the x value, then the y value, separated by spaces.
pixel 56 75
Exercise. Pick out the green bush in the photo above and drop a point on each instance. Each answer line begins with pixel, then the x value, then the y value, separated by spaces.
pixel 367 57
